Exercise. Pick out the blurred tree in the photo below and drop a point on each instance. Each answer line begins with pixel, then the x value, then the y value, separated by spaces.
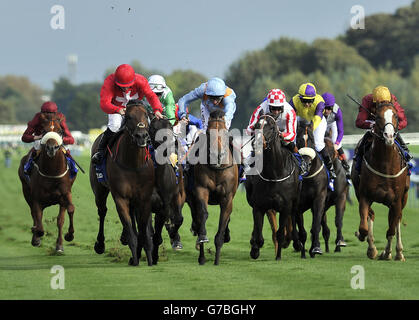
pixel 7 114
pixel 23 97
pixel 388 39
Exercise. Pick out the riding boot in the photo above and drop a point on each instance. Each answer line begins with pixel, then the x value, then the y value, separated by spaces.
pixel 329 165
pixel 407 155
pixel 97 158
pixel 27 168
pixel 345 164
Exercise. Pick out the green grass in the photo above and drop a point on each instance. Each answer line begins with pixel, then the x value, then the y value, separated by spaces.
pixel 25 270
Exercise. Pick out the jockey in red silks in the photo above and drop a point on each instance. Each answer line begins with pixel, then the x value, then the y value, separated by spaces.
pixel 34 131
pixel 366 120
pixel 117 90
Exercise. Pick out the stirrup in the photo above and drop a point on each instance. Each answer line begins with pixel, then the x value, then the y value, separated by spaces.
pixel 331 184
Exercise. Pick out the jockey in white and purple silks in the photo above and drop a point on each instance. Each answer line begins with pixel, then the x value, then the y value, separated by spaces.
pixel 334 119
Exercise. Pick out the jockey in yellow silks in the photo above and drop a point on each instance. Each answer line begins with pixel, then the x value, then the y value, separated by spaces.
pixel 310 106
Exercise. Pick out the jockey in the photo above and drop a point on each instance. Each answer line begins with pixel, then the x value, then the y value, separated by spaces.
pixel 286 119
pixel 333 114
pixel 214 95
pixel 119 88
pixel 34 131
pixel 165 95
pixel 365 120
pixel 310 105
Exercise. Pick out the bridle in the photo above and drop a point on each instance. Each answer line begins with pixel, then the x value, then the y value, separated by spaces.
pixel 218 166
pixel 275 132
pixel 380 133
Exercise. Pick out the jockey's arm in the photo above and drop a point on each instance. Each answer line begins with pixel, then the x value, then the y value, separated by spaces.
pixel 362 120
pixel 318 115
pixel 400 113
pixel 339 125
pixel 188 98
pixel 170 107
pixel 290 131
pixel 28 136
pixel 106 95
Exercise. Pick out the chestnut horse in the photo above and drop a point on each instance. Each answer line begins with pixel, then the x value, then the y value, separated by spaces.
pixel 130 179
pixel 215 183
pixel 49 182
pixel 383 178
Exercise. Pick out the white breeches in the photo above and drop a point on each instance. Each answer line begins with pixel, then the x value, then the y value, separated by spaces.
pixel 115 121
pixel 332 126
pixel 37 144
pixel 319 135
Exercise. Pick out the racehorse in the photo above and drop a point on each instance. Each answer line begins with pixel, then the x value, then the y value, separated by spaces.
pixel 275 188
pixel 383 178
pixel 314 190
pixel 50 183
pixel 335 198
pixel 130 179
pixel 215 183
pixel 169 193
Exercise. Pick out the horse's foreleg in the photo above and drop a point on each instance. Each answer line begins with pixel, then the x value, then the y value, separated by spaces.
pixel 399 245
pixel 38 228
pixel 122 206
pixel 317 210
pixel 363 223
pixel 176 222
pixel 201 217
pixel 145 233
pixel 325 231
pixel 280 234
pixel 101 211
pixel 302 235
pixel 60 222
pixel 271 214
pixel 225 212
pixel 159 220
pixel 69 236
pixel 257 240
pixel 339 212
pixel 394 218
pixel 372 250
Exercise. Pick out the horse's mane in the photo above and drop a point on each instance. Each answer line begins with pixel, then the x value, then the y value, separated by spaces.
pixel 217 114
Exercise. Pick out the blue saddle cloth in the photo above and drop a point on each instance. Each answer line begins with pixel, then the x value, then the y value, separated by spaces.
pixel 27 167
pixel 101 171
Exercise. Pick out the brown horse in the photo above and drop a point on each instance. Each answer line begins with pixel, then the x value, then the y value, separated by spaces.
pixel 130 179
pixel 216 182
pixel 383 178
pixel 50 183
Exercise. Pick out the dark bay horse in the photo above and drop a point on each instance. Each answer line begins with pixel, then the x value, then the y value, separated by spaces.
pixel 335 198
pixel 130 179
pixel 169 193
pixel 383 178
pixel 314 190
pixel 215 183
pixel 49 183
pixel 276 187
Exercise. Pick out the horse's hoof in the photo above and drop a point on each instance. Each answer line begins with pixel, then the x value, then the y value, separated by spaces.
pixel 69 237
pixel 36 242
pixel 341 243
pixel 133 262
pixel 99 248
pixel 202 239
pixel 360 236
pixel 124 240
pixel 385 256
pixel 372 253
pixel 316 250
pixel 201 261
pixel 177 245
pixel 400 257
pixel 59 249
pixel 254 253
pixel 337 249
